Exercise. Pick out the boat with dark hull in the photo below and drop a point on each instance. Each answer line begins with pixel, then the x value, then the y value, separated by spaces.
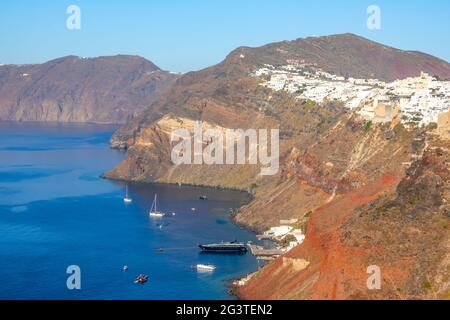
pixel 224 247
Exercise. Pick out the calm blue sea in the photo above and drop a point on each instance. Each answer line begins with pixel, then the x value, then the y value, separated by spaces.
pixel 55 211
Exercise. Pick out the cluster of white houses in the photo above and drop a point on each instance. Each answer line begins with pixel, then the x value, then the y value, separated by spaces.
pixel 417 100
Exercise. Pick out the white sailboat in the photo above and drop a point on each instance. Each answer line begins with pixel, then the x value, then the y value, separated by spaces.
pixel 154 212
pixel 127 199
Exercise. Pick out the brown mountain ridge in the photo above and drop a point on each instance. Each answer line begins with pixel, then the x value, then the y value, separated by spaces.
pixel 72 89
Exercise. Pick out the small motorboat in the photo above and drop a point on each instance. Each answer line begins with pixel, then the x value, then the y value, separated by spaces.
pixel 203 198
pixel 154 213
pixel 125 268
pixel 206 267
pixel 127 198
pixel 159 250
pixel 141 279
pixel 194 210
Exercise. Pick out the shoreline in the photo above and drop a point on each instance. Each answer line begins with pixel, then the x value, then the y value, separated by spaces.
pixel 203 186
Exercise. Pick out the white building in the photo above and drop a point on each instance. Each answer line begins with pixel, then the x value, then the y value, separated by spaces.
pixel 278 232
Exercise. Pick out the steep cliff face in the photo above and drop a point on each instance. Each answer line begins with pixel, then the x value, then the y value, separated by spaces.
pixel 333 166
pixel 149 148
pixel 72 89
pixel 344 159
pixel 399 224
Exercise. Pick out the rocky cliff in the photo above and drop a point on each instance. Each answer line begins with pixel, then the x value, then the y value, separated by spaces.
pixel 73 89
pixel 399 224
pixel 337 172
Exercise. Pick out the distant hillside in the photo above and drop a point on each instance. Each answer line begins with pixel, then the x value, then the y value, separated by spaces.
pixel 72 89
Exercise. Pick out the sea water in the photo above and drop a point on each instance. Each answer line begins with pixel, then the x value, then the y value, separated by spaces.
pixel 56 211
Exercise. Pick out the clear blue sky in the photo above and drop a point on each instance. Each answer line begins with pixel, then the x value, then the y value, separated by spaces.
pixel 183 35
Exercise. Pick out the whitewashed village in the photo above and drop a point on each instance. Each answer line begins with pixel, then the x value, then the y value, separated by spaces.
pixel 415 102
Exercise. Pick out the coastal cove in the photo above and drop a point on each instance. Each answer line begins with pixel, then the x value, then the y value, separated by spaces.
pixel 57 211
